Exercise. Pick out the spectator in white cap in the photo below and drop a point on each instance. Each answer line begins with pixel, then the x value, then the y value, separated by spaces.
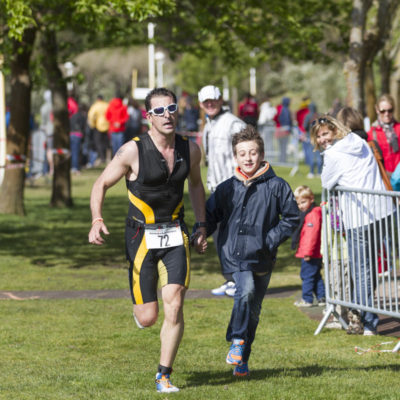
pixel 220 126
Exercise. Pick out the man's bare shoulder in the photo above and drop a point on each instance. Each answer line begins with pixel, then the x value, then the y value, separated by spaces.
pixel 128 151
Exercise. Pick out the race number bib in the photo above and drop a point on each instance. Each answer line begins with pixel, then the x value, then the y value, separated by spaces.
pixel 162 236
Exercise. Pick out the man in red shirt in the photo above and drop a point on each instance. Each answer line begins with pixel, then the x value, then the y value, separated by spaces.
pixel 117 115
pixel 248 110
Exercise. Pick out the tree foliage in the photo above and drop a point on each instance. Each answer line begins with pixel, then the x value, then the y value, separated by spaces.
pixel 50 18
pixel 272 28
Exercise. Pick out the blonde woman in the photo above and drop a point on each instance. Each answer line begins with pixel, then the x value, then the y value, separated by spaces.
pixel 349 162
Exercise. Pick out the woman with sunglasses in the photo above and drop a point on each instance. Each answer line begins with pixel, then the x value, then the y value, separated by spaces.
pixel 386 131
pixel 349 162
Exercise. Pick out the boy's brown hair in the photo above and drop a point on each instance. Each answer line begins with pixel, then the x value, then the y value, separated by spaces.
pixel 248 134
pixel 302 192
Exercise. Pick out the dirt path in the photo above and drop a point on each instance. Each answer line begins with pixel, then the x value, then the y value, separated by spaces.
pixel 388 326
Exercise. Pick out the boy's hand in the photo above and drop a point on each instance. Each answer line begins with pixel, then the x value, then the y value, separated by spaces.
pixel 200 240
pixel 307 258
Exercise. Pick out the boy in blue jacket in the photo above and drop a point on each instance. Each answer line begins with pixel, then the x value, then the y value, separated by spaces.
pixel 257 212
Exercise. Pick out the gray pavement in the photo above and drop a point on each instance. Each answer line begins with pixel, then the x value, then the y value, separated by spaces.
pixel 118 294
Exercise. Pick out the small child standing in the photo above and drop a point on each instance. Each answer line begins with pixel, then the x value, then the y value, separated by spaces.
pixel 256 211
pixel 307 240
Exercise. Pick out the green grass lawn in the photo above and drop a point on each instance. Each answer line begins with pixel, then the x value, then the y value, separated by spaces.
pixel 91 349
pixel 81 349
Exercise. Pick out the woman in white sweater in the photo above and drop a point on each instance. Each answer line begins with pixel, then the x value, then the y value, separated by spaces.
pixel 349 162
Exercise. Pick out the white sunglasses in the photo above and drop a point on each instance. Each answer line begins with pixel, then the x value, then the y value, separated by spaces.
pixel 173 107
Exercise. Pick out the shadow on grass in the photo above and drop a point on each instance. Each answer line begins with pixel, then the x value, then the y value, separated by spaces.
pixel 52 236
pixel 224 377
pixel 59 236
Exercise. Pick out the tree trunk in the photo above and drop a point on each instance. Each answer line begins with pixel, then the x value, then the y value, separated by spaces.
pixel 370 97
pixel 354 68
pixel 385 67
pixel 61 191
pixel 12 189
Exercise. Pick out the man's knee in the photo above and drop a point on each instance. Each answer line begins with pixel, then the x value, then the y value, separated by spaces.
pixel 146 320
pixel 145 315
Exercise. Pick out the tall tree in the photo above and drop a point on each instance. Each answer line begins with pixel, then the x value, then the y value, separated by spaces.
pixel 19 21
pixel 61 193
pixel 12 189
pixel 371 25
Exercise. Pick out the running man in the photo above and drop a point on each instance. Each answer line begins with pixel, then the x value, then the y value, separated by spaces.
pixel 155 166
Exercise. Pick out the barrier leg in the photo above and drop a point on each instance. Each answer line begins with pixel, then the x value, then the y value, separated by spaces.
pixel 341 320
pixel 329 311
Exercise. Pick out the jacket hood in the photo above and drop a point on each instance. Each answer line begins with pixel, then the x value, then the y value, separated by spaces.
pixel 350 144
pixel 265 172
pixel 285 102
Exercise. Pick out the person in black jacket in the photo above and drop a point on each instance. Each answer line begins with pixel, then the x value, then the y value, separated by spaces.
pixel 257 211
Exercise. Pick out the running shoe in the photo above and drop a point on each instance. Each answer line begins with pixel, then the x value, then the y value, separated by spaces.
pixel 164 385
pixel 230 291
pixel 322 302
pixel 302 303
pixel 220 291
pixel 235 352
pixel 241 370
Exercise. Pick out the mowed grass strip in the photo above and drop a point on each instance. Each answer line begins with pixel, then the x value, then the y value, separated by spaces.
pixel 81 349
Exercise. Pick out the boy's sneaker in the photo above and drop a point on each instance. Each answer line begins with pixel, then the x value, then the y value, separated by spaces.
pixel 241 370
pixel 302 303
pixel 235 352
pixel 164 385
pixel 322 302
pixel 220 291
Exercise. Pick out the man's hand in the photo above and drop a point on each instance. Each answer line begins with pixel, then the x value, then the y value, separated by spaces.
pixel 95 233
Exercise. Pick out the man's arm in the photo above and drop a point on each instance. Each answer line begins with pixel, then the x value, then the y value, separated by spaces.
pixel 119 166
pixel 197 195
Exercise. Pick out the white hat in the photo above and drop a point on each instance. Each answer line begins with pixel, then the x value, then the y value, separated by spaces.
pixel 209 92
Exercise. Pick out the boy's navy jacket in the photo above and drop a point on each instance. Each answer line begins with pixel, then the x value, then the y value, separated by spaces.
pixel 254 220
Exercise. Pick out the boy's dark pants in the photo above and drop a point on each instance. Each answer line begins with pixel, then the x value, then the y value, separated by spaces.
pixel 310 274
pixel 250 292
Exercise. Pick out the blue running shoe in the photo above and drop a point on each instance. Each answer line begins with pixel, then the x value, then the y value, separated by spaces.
pixel 235 353
pixel 241 370
pixel 164 385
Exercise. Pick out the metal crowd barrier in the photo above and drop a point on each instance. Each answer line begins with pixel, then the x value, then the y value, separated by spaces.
pixel 364 278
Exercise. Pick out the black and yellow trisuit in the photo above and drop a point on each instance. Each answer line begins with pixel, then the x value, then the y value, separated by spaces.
pixel 156 196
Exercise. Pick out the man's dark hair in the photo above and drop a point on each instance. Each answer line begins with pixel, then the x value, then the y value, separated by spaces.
pixel 158 92
pixel 248 134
